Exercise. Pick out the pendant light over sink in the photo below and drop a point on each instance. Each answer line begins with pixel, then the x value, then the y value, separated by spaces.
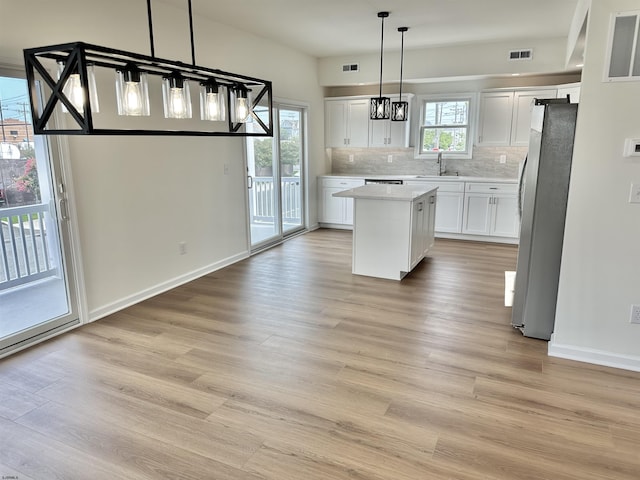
pixel 380 106
pixel 400 109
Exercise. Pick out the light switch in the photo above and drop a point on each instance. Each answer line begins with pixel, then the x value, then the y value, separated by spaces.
pixel 634 194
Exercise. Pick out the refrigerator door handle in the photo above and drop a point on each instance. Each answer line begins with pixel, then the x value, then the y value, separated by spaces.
pixel 521 186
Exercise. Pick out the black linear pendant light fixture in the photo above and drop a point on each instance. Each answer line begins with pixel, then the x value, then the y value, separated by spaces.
pixel 400 109
pixel 227 100
pixel 380 106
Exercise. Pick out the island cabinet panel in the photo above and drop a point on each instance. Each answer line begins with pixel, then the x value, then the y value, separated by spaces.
pixel 393 228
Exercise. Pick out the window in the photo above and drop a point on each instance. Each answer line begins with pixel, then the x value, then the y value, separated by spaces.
pixel 445 126
pixel 624 55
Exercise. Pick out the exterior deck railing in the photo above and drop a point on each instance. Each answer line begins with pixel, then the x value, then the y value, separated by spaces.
pixel 263 200
pixel 25 254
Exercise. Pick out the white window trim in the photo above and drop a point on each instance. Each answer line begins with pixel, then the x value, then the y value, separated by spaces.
pixel 472 97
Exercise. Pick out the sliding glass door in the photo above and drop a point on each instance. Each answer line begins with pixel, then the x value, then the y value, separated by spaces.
pixel 275 178
pixel 36 289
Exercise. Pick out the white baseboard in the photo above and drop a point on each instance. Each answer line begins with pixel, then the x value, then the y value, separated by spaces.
pixel 125 302
pixel 477 238
pixel 591 355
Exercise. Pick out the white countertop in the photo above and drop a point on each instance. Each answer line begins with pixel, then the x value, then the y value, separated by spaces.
pixel 405 193
pixel 425 178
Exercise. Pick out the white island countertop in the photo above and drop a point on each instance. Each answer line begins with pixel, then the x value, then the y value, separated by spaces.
pixel 403 193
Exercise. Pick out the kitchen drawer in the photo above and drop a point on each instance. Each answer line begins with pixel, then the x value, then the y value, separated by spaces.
pixel 441 186
pixel 342 182
pixel 473 187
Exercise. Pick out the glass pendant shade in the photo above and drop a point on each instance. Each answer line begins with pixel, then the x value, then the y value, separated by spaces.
pixel 132 92
pixel 399 111
pixel 379 108
pixel 75 93
pixel 176 96
pixel 213 101
pixel 241 105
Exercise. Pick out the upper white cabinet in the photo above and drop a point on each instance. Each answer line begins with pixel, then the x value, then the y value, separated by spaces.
pixel 571 89
pixel 505 116
pixel 385 133
pixel 347 123
pixel 521 122
pixel 496 111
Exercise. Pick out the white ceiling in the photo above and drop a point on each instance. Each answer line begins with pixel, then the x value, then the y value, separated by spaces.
pixel 324 28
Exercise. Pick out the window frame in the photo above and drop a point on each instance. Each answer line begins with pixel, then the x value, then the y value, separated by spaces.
pixel 423 100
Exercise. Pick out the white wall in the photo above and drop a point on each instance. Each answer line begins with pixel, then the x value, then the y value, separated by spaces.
pixel 601 259
pixel 445 63
pixel 137 197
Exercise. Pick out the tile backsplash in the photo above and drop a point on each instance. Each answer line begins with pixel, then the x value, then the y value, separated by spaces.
pixel 485 162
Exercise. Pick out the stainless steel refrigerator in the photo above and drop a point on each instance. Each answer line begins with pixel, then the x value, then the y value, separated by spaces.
pixel 544 187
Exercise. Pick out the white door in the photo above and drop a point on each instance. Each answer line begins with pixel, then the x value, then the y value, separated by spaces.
pixel 477 219
pixel 37 288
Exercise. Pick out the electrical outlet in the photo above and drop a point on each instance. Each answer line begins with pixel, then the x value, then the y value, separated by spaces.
pixel 389 158
pixel 503 158
pixel 635 314
pixel 182 248
pixel 351 158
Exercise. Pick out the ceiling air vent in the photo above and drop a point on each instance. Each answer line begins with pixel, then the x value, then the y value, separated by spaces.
pixel 350 67
pixel 526 54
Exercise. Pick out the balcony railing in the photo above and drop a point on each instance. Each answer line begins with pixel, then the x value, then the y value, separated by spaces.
pixel 262 197
pixel 25 251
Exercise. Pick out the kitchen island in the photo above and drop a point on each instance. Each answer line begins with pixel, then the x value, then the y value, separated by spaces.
pixel 393 228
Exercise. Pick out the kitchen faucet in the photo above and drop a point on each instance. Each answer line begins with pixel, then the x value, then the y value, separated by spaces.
pixel 440 162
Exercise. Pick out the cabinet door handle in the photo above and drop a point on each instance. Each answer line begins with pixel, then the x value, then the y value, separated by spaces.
pixel 420 206
pixel 432 199
pixel 493 188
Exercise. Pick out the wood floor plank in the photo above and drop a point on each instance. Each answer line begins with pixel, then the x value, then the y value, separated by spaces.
pixel 287 366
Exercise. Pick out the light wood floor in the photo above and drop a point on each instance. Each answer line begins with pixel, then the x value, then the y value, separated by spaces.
pixel 288 367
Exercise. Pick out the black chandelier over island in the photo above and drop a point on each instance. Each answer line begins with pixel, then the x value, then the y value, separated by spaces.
pixel 228 101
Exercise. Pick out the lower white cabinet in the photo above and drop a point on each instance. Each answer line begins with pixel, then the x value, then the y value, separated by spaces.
pixel 491 209
pixel 337 211
pixel 462 208
pixel 449 205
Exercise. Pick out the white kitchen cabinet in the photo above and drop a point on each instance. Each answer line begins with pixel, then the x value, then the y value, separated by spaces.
pixel 491 209
pixel 347 123
pixel 505 116
pixel 521 122
pixel 336 211
pixel 449 205
pixel 385 133
pixel 496 112
pixel 571 89
pixel 393 229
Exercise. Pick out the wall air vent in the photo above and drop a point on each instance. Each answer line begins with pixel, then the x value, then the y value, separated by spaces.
pixel 351 67
pixel 525 54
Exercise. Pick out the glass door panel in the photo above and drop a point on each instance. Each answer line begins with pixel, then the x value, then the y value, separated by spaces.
pixel 275 172
pixel 35 294
pixel 263 193
pixel 290 136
